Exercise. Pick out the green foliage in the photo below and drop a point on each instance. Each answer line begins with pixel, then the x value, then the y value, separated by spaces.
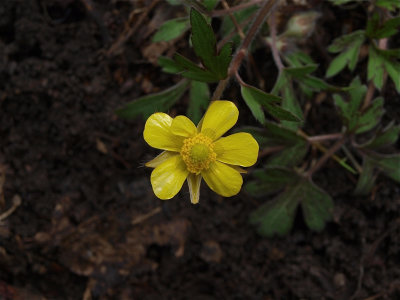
pixel 286 173
pixel 354 119
pixel 242 17
pixel 374 162
pixel 388 4
pixel 276 216
pixel 256 99
pixel 171 30
pixel 383 60
pixel 292 147
pixel 383 137
pixel 375 30
pixel 215 65
pixel 349 48
pixel 199 99
pixel 389 165
pixel 147 105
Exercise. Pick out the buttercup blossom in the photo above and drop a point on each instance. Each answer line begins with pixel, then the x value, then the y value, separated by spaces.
pixel 194 153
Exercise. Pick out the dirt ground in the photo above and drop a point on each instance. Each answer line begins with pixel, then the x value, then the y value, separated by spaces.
pixel 89 226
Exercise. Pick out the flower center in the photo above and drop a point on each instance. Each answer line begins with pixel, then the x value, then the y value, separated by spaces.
pixel 197 153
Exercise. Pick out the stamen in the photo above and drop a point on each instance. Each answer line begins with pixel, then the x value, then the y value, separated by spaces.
pixel 197 153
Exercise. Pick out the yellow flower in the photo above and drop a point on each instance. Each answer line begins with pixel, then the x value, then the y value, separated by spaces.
pixel 194 153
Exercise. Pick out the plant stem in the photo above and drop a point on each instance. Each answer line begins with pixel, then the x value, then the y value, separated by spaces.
pixel 331 151
pixel 223 12
pixel 324 137
pixel 275 52
pixel 241 52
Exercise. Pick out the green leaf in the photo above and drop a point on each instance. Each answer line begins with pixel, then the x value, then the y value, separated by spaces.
pixel 169 66
pixel 345 41
pixel 254 96
pixel 199 99
pixel 253 105
pixel 393 69
pixel 371 117
pixel 375 67
pixel 210 4
pixel 289 156
pixel 337 64
pixel 388 4
pixel 291 104
pixel 316 83
pixel 193 71
pixel 387 29
pixel 383 137
pixel 367 178
pixel 298 72
pixel 294 147
pixel 186 63
pixel 355 120
pixel 203 39
pixel 222 61
pixel 171 30
pixel 174 2
pixel 204 44
pixel 277 135
pixel 387 164
pixel 270 180
pixel 152 103
pixel 349 46
pixel 317 206
pixel 276 217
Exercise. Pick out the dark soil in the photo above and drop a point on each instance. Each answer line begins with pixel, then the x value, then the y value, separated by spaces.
pixel 89 225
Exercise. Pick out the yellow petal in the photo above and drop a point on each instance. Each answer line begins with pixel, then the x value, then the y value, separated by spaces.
pixel 183 126
pixel 223 179
pixel 237 149
pixel 167 179
pixel 194 187
pixel 159 159
pixel 157 133
pixel 219 118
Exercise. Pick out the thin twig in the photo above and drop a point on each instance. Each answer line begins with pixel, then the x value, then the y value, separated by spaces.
pixel 352 159
pixel 275 52
pixel 232 17
pixel 324 137
pixel 241 53
pixel 129 31
pixel 223 12
pixel 326 156
pixel 16 201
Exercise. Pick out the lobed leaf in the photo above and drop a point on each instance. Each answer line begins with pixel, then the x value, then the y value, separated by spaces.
pixel 152 103
pixel 169 66
pixel 276 217
pixel 317 206
pixel 383 137
pixel 171 30
pixel 256 98
pixel 270 180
